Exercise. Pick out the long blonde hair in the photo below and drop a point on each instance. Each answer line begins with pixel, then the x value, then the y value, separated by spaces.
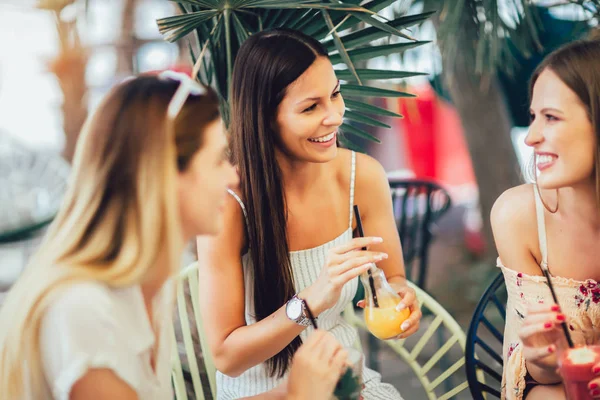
pixel 119 214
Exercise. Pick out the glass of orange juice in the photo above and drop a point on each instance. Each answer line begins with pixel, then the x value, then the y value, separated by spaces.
pixel 381 316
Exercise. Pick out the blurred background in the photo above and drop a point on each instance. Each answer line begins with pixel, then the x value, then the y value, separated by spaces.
pixel 463 133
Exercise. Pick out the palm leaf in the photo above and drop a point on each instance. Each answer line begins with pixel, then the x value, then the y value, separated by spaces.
pixel 376 74
pixel 369 108
pixel 176 27
pixel 223 25
pixel 368 53
pixel 347 143
pixel 347 128
pixel 340 47
pixel 213 4
pixel 491 45
pixel 369 91
pixel 240 30
pixel 374 6
pixel 368 35
pixel 381 25
pixel 363 119
pixel 299 5
pixel 305 19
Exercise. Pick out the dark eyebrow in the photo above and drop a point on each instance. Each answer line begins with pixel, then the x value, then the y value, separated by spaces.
pixel 546 109
pixel 317 98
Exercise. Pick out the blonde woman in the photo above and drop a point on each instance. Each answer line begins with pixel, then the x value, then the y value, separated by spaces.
pixel 89 318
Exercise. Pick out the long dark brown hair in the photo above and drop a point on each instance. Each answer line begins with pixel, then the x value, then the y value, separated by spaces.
pixel 576 64
pixel 266 64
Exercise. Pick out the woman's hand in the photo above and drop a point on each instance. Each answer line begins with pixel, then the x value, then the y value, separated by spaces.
pixel 343 263
pixel 316 367
pixel 541 335
pixel 409 300
pixel 594 385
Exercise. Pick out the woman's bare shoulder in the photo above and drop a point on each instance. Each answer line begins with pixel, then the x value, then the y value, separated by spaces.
pixel 515 208
pixel 514 224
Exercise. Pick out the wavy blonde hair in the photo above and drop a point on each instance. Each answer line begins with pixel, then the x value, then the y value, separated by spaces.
pixel 118 216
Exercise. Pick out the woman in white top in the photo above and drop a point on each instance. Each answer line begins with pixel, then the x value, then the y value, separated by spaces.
pixel 288 236
pixel 89 317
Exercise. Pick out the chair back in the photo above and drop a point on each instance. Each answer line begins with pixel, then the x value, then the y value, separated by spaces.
pixel 423 351
pixel 418 205
pixel 483 352
pixel 191 379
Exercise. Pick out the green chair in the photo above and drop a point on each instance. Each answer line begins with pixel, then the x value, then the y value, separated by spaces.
pixel 204 385
pixel 186 307
pixel 438 324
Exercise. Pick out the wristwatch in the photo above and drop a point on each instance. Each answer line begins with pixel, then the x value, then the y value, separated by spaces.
pixel 296 311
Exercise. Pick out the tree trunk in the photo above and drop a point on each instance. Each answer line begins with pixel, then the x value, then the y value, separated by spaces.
pixel 128 44
pixel 486 122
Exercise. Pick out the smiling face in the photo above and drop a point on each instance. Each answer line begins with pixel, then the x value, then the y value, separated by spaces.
pixel 560 133
pixel 310 114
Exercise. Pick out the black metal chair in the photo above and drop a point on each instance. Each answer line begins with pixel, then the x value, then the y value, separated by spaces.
pixel 483 351
pixel 418 205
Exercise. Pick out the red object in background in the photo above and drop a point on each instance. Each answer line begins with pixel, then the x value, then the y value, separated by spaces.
pixel 435 148
pixel 418 126
pixel 433 138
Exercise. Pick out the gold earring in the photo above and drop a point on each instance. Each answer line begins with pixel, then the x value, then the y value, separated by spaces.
pixel 546 205
pixel 538 189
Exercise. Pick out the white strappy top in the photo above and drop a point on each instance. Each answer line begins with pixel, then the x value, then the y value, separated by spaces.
pixel 306 267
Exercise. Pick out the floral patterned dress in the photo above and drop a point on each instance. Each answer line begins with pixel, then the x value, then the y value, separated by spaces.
pixel 579 301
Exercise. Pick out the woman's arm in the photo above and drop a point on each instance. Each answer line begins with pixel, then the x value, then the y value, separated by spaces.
pixel 101 384
pixel 375 202
pixel 373 196
pixel 235 346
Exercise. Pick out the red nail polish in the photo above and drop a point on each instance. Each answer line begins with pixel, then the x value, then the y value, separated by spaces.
pixel 548 325
pixel 561 317
pixel 555 308
pixel 595 370
pixel 550 349
pixel 595 392
pixel 593 386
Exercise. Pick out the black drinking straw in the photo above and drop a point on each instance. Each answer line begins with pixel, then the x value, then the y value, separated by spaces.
pixel 362 234
pixel 311 316
pixel 564 324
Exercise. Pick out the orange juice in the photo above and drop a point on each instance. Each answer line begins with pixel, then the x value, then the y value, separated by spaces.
pixel 384 322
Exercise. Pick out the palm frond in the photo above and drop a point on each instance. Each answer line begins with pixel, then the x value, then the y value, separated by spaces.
pixel 377 74
pixel 347 30
pixel 366 108
pixel 368 53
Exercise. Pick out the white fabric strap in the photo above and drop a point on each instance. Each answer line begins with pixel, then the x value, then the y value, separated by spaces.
pixel 235 196
pixel 352 175
pixel 541 225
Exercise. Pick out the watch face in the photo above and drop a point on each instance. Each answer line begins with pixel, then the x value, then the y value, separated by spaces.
pixel 294 309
